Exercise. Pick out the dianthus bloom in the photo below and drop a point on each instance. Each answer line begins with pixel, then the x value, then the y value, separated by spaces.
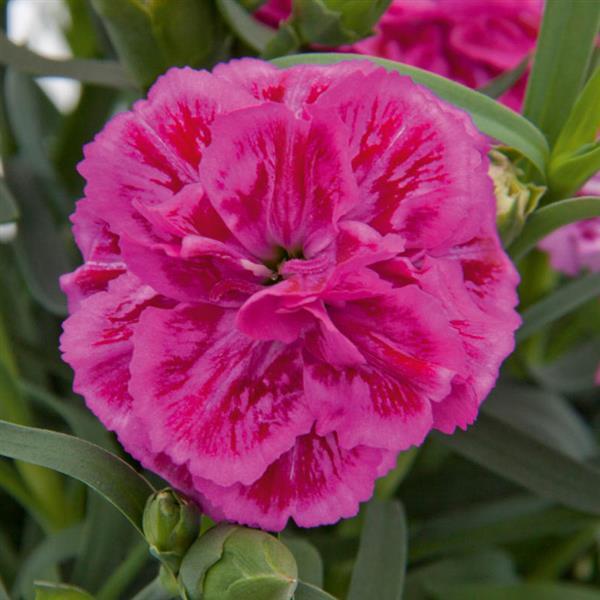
pixel 469 41
pixel 290 276
pixel 576 247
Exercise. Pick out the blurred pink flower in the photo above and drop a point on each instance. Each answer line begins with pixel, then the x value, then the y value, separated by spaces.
pixel 469 41
pixel 290 276
pixel 576 247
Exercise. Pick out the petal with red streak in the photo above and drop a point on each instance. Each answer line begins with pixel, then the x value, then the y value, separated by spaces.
pixel 97 343
pixel 412 355
pixel 212 398
pixel 278 182
pixel 316 483
pixel 420 169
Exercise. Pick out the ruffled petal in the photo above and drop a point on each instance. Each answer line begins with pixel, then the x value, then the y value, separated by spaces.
pixel 316 483
pixel 412 356
pixel 212 398
pixel 420 165
pixel 278 182
pixel 97 343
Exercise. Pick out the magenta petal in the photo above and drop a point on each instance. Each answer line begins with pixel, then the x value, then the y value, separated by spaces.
pixel 420 165
pixel 210 397
pixel 88 280
pixel 96 342
pixel 316 483
pixel 276 181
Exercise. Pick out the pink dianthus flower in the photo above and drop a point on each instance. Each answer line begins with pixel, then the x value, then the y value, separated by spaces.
pixel 468 41
pixel 290 276
pixel 576 247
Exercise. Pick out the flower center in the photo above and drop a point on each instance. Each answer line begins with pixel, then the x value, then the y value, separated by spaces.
pixel 275 264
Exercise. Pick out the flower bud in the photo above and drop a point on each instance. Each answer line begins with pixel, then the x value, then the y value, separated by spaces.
pixel 232 563
pixel 171 524
pixel 515 200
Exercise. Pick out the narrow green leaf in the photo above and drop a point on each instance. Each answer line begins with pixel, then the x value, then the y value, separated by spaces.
pixel 573 372
pixel 517 591
pixel 307 591
pixel 557 304
pixel 104 472
pixel 381 561
pixel 52 551
pixel 491 117
pixel 118 581
pixel 485 565
pixel 503 82
pixel 567 173
pixel 245 26
pixel 98 72
pixel 584 120
pixel 3 593
pixel 543 415
pixel 524 460
pixel 507 521
pixel 561 62
pixel 103 544
pixel 40 249
pixel 549 218
pixel 59 591
pixel 129 25
pixel 308 560
pixel 8 207
pixel 153 591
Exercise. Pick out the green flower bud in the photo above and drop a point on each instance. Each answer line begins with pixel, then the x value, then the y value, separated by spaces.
pixel 236 563
pixel 171 524
pixel 515 199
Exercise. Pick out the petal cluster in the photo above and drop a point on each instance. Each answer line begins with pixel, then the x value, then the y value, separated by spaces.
pixel 469 41
pixel 290 276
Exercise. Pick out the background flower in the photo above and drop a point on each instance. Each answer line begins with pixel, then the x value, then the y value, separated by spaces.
pixel 290 277
pixel 469 41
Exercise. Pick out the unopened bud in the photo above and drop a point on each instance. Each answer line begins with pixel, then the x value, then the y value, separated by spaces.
pixel 515 199
pixel 232 563
pixel 171 524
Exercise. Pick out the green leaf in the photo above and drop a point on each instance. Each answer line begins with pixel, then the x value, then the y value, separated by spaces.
pixel 583 121
pixel 8 207
pixel 567 173
pixel 524 460
pixel 59 591
pixel 121 577
pixel 485 565
pixel 385 487
pixel 564 49
pixel 40 249
pixel 557 304
pixel 503 82
pixel 306 591
pixel 188 31
pixel 550 218
pixel 517 591
pixel 573 372
pixel 245 26
pixel 98 72
pixel 543 415
pixel 153 591
pixel 104 472
pixel 505 521
pixel 308 560
pixel 52 551
pixel 129 25
pixel 3 593
pixel 381 561
pixel 491 117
